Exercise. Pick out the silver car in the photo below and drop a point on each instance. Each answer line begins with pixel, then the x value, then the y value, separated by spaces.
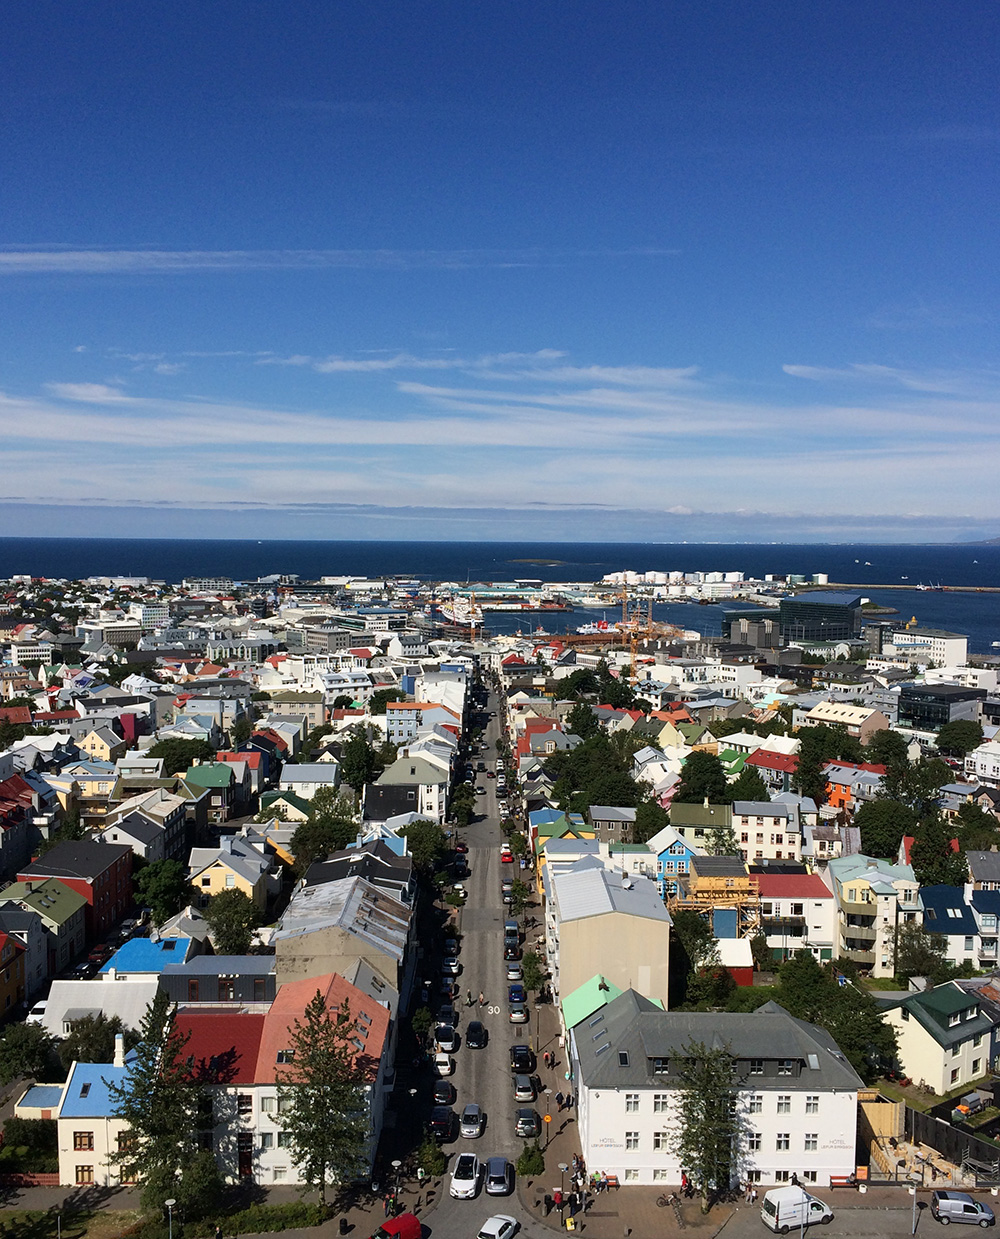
pixel 470 1125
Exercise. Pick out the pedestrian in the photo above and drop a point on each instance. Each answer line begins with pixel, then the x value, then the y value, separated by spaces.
pixel 559 1101
pixel 468 997
pixel 795 1179
pixel 218 1232
pixel 482 999
pixel 753 1195
pixel 684 1181
pixel 749 1192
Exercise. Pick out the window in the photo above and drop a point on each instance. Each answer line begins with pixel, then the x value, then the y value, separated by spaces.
pixel 753 1142
pixel 267 1139
pixel 976 1066
pixel 956 1049
pixel 756 1103
pixel 977 1041
pixel 259 989
pixel 660 1175
pixel 904 1013
pixel 968 944
pixel 811 1141
pixel 227 989
pixel 786 1066
pixel 244 1104
pixel 797 909
pixel 756 1066
pixel 954 1076
pixel 631 1103
pixel 206 881
pixel 230 880
pixel 83 1140
pixel 283 1140
pixel 280 1172
pixel 192 991
pixel 267 1105
pixel 810 1175
pixel 661 1141
pixel 782 1141
pixel 784 1103
pixel 85 1174
pixel 661 1103
pixel 781 1176
pixel 631 1176
pixel 632 1141
pixel 661 1065
pixel 812 1103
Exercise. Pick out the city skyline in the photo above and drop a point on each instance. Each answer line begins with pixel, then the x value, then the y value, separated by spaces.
pixel 433 271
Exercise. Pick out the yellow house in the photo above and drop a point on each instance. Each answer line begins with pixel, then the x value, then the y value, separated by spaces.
pixel 103 744
pixel 235 865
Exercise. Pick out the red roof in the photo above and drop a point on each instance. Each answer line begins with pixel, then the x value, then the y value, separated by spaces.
pixel 856 766
pixel 15 714
pixel 768 760
pixel 252 760
pixel 792 886
pixel 908 843
pixel 223 1048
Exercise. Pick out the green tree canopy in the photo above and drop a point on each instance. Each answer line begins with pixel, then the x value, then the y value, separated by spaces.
pixel 650 819
pixel 532 972
pixel 240 731
pixel 977 829
pixel 164 888
pixel 178 755
pixel 381 698
pixel 427 844
pixel 325 1080
pixel 933 855
pixel 702 776
pixel 883 823
pixel 694 933
pixel 817 746
pixel 582 721
pixel 26 1052
pixel 960 737
pixel 360 762
pixel 582 682
pixel 920 954
pixel 748 785
pixel 91 1039
pixel 707 1133
pixel 887 748
pixel 232 918
pixel 316 839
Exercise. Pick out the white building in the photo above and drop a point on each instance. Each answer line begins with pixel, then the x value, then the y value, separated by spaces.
pixel 797 1093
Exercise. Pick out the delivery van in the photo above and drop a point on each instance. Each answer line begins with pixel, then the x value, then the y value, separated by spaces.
pixel 786 1207
pixel 960 1207
pixel 405 1226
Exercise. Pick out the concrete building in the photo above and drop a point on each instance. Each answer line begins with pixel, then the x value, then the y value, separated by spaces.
pixel 873 899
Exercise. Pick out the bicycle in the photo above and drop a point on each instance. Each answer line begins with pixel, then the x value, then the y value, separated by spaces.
pixel 669 1198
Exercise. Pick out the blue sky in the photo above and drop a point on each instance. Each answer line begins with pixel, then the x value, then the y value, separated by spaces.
pixel 424 269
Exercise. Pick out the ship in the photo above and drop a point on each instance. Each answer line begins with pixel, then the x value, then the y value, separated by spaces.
pixel 592 630
pixel 462 613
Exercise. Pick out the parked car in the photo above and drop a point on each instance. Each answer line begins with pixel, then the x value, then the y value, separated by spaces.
pixel 516 993
pixel 518 1013
pixel 503 808
pixel 471 1124
pixel 499 1226
pixel 490 774
pixel 960 1207
pixel 444 1093
pixel 465 1177
pixel 442 1124
pixel 444 1036
pixel 499 1176
pixel 37 1013
pixel 514 972
pixel 405 1226
pixel 521 1058
pixel 443 1064
pixel 524 1088
pixel 451 946
pixel 476 1035
pixel 451 967
pixel 511 950
pixel 447 1015
pixel 527 1122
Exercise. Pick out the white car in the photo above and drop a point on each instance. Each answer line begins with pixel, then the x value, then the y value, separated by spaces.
pixel 451 967
pixel 465 1177
pixel 443 1064
pixel 499 1226
pixel 37 1013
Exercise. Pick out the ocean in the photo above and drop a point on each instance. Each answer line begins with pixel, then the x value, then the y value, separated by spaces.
pixel 969 564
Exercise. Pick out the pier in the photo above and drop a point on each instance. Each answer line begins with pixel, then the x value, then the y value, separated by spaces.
pixel 916 589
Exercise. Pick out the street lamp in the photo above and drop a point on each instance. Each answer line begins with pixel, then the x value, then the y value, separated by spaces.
pixel 913 1193
pixel 563 1167
pixel 170 1217
pixel 396 1166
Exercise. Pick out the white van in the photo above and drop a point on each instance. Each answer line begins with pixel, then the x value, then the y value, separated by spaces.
pixel 785 1207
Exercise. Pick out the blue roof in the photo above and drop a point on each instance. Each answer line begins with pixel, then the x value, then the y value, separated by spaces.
pixel 87 1094
pixel 145 955
pixel 986 901
pixel 946 912
pixel 42 1096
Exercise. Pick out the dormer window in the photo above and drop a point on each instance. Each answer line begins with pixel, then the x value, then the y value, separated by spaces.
pixel 954 1019
pixel 972 1013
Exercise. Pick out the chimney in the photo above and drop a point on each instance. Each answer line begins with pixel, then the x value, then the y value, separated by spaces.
pixel 119 1049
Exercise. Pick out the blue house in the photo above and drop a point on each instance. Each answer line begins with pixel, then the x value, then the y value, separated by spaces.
pixel 673 857
pixel 946 913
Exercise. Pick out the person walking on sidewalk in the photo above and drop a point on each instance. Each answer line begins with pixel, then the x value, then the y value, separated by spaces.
pixel 560 1099
pixel 468 997
pixel 482 999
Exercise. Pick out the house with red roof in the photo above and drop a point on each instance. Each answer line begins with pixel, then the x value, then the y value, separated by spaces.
pixel 242 1057
pixel 776 769
pixel 798 913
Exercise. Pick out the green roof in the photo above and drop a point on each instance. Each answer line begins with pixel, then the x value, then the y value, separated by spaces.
pixel 700 815
pixel 292 798
pixel 690 731
pixel 590 997
pixel 210 774
pixel 52 900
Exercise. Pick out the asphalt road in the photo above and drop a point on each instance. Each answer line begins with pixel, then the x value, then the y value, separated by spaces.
pixel 484 1076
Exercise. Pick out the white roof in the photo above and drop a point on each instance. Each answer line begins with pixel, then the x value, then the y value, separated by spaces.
pixel 128 999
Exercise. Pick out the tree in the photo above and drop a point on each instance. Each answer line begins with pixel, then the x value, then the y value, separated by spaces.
pixel 883 823
pixel 721 841
pixel 582 682
pixel 381 698
pixel 960 737
pixel 531 1162
pixel 706 1135
pixel 582 721
pixel 26 1052
pixel 702 777
pixel 650 819
pixel 359 761
pixel 518 844
pixel 709 989
pixel 977 829
pixel 694 933
pixel 178 755
pixel 91 1039
pixel 887 748
pixel 427 844
pixel 532 974
pixel 325 1081
pixel 919 953
pixel 240 731
pixel 315 840
pixel 159 1099
pixel 921 784
pixel 762 957
pixel 431 1158
pixel 520 893
pixel 748 785
pixel 164 888
pixel 232 918
pixel 343 702
pixel 805 987
pixel 933 856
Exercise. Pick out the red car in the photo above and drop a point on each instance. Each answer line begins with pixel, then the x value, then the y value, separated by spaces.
pixel 506 857
pixel 461 847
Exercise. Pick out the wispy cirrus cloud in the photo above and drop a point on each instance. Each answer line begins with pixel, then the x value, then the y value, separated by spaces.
pixel 954 382
pixel 59 261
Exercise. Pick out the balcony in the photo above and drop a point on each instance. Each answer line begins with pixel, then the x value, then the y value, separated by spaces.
pixel 794 925
pixel 850 908
pixel 866 959
pixel 866 933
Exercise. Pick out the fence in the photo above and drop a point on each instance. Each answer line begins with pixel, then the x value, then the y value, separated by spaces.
pixel 29 1180
pixel 978 1158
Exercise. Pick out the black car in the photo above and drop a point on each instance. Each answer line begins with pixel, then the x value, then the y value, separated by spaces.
pixel 444 1093
pixel 521 1059
pixel 442 1124
pixel 511 950
pixel 476 1035
pixel 527 1122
